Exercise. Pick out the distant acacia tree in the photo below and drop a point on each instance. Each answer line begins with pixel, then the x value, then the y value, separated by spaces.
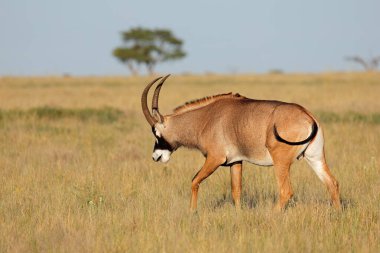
pixel 368 65
pixel 148 47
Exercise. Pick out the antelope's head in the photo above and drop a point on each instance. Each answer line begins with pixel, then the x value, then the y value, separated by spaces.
pixel 162 148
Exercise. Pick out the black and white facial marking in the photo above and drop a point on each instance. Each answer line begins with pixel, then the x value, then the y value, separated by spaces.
pixel 162 149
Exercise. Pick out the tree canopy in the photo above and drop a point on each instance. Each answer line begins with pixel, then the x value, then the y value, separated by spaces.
pixel 368 65
pixel 148 47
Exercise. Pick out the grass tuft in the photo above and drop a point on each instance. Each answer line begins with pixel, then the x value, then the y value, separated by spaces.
pixel 348 117
pixel 102 115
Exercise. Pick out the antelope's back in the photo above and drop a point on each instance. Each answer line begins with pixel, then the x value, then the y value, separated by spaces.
pixel 240 122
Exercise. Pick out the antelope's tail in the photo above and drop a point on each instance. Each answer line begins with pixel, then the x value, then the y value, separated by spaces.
pixel 314 131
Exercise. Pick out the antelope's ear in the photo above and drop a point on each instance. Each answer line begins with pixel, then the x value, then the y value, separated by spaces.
pixel 158 116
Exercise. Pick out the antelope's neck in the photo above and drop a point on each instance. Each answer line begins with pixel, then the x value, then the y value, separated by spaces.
pixel 184 130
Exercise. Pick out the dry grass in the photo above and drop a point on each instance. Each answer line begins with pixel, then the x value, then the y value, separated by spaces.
pixel 76 173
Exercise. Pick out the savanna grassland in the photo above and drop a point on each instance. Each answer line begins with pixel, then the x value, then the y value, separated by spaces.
pixel 76 173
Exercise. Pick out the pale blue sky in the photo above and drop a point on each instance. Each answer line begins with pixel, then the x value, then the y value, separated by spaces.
pixel 47 37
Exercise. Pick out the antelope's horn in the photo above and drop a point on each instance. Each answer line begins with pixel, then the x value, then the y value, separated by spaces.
pixel 156 94
pixel 144 103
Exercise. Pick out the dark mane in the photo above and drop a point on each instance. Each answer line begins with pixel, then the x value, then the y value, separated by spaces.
pixel 198 103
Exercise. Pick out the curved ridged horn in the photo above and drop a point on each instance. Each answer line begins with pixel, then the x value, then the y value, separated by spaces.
pixel 144 103
pixel 156 94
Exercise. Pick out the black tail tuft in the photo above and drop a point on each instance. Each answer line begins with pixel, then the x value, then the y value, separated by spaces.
pixel 312 135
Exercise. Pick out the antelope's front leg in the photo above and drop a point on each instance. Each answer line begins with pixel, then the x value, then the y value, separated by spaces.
pixel 211 164
pixel 236 174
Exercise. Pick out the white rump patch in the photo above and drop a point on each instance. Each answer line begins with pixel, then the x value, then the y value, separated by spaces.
pixel 315 157
pixel 317 166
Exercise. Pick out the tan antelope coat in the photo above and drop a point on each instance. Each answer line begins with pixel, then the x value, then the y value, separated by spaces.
pixel 229 129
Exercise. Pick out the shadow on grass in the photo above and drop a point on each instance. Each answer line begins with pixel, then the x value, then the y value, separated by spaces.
pixel 220 203
pixel 347 203
pixel 248 201
pixel 251 201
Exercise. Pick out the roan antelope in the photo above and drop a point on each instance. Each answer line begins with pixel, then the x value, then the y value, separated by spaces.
pixel 229 129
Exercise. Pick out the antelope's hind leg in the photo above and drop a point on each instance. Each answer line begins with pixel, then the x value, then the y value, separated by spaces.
pixel 315 157
pixel 236 174
pixel 318 164
pixel 282 157
pixel 282 171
